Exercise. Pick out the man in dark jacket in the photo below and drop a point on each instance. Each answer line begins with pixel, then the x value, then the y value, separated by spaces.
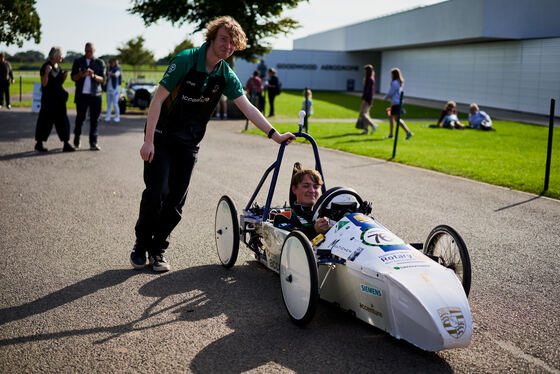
pixel 89 74
pixel 6 77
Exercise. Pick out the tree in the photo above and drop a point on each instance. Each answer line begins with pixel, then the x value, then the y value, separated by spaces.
pixel 72 55
pixel 260 19
pixel 185 44
pixel 19 22
pixel 29 56
pixel 133 53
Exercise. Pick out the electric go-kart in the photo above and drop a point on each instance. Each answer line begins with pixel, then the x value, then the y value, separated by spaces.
pixel 416 292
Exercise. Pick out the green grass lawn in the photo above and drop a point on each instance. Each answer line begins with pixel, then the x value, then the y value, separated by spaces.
pixel 513 156
pixel 328 104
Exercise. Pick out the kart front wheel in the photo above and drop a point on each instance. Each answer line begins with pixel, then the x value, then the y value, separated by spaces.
pixel 227 231
pixel 446 246
pixel 298 278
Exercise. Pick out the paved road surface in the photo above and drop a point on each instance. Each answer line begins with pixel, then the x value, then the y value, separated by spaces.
pixel 69 301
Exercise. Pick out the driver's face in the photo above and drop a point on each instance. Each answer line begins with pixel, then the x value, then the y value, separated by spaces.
pixel 307 192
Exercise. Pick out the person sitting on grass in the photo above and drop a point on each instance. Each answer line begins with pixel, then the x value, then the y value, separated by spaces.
pixel 448 117
pixel 479 119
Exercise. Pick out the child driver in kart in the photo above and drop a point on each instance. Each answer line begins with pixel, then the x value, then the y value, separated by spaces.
pixel 306 186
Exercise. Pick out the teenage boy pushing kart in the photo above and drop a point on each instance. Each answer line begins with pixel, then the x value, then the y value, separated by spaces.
pixel 179 112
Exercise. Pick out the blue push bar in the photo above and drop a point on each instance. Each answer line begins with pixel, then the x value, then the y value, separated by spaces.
pixel 276 167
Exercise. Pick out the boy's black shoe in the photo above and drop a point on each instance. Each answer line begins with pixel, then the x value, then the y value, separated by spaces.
pixel 138 256
pixel 40 148
pixel 159 263
pixel 67 147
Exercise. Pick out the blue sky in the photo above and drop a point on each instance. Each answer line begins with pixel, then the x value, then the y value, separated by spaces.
pixel 106 23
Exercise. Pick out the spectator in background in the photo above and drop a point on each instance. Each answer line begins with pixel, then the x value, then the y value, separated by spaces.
pixel 367 99
pixel 114 80
pixel 448 117
pixel 6 77
pixel 53 103
pixel 479 119
pixel 254 88
pixel 273 89
pixel 397 83
pixel 89 74
pixel 307 103
pixel 221 108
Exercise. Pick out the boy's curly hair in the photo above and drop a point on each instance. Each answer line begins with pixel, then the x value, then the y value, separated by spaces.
pixel 236 33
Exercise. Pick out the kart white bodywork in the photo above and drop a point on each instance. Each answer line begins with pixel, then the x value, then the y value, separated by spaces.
pixel 393 286
pixel 384 282
pixel 358 264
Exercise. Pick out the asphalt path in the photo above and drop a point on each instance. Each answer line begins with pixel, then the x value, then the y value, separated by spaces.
pixel 70 302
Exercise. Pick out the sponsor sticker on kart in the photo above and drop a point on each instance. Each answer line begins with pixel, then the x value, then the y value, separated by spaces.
pixel 362 221
pixel 453 321
pixel 380 237
pixel 371 290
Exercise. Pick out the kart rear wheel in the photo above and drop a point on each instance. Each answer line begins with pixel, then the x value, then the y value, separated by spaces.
pixel 227 231
pixel 298 278
pixel 446 246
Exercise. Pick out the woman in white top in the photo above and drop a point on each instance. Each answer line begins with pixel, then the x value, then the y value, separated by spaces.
pixel 397 83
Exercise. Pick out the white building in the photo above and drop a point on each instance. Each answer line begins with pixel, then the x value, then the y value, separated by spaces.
pixel 498 53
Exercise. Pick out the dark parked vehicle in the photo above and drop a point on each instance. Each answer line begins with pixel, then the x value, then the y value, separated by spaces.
pixel 137 94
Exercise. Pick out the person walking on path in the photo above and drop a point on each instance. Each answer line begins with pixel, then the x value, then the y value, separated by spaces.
pixel 397 83
pixel 53 103
pixel 6 77
pixel 179 112
pixel 89 74
pixel 367 99
pixel 114 80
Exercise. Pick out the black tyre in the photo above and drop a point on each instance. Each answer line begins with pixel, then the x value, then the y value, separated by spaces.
pixel 227 231
pixel 446 246
pixel 122 106
pixel 298 278
pixel 142 98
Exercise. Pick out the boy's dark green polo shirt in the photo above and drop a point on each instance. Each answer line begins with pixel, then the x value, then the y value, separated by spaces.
pixel 194 95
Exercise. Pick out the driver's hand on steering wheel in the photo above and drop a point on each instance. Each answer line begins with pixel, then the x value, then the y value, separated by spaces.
pixel 322 225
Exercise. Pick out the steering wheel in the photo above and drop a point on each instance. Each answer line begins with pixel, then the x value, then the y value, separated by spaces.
pixel 322 209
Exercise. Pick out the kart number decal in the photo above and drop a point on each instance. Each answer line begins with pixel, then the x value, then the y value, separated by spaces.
pixel 380 237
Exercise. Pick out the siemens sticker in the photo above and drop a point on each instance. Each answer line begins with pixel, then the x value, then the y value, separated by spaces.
pixel 371 290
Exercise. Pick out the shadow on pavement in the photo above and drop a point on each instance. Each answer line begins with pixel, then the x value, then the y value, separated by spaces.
pixel 66 295
pixel 520 203
pixel 250 298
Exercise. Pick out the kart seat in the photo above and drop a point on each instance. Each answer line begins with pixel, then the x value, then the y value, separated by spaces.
pixel 292 198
